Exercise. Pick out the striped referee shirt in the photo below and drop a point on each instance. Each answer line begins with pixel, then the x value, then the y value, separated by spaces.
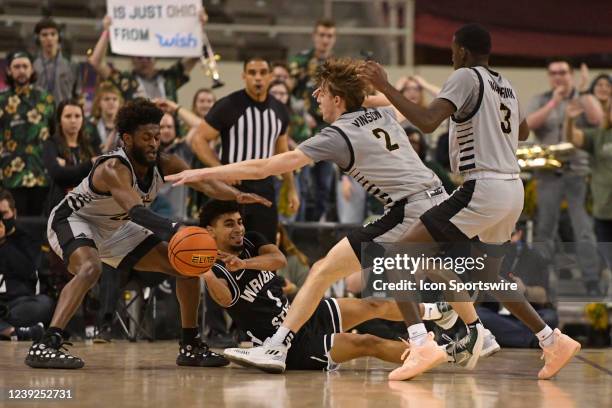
pixel 249 129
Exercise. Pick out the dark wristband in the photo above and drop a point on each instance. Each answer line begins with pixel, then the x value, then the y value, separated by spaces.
pixel 160 226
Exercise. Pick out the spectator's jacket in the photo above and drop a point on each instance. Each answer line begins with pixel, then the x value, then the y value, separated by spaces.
pixel 25 120
pixel 18 273
pixel 64 178
pixel 303 67
pixel 57 76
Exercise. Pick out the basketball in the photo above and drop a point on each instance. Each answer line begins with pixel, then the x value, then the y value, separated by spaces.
pixel 192 251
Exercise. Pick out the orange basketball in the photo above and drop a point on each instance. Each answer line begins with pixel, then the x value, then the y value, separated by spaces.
pixel 192 251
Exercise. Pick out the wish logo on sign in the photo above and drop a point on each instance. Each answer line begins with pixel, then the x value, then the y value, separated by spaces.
pixel 177 41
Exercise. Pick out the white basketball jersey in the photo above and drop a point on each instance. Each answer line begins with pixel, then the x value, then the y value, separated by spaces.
pixel 100 209
pixel 487 138
pixel 383 160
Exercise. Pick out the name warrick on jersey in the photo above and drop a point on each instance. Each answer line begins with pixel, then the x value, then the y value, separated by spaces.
pixel 367 118
pixel 255 285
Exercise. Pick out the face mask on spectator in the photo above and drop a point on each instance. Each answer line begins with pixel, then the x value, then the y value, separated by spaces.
pixel 9 224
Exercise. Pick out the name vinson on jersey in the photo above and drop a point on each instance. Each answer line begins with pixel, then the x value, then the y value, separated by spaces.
pixel 366 118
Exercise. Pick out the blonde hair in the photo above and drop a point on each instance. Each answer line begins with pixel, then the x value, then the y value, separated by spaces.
pixel 104 87
pixel 403 83
pixel 341 78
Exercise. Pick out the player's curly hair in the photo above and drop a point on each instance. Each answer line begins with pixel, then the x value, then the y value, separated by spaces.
pixel 340 77
pixel 135 113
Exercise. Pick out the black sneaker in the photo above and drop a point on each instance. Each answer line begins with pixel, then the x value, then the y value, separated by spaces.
pixel 221 340
pixel 52 355
pixel 466 350
pixel 33 333
pixel 199 355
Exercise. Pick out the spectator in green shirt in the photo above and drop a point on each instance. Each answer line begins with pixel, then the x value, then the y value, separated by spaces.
pixel 144 80
pixel 26 114
pixel 598 143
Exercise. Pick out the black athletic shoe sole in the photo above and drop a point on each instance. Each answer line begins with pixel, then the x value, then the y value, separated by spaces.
pixel 212 361
pixel 54 365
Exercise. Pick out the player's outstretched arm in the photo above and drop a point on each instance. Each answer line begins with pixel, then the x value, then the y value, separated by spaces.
pixel 114 177
pixel 246 170
pixel 427 119
pixel 270 258
pixel 212 188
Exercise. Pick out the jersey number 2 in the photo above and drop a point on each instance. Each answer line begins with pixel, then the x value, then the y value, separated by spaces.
pixel 505 123
pixel 378 132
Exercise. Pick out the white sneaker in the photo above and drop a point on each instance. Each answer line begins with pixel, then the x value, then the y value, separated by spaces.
pixel 270 359
pixel 490 346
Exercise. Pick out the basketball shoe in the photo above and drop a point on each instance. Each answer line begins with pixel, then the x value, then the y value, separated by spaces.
pixel 418 359
pixel 558 354
pixel 270 359
pixel 51 353
pixel 199 355
pixel 466 351
pixel 490 345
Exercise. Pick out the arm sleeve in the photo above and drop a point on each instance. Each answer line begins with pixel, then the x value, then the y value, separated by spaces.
pixel 160 226
pixel 328 145
pixel 217 117
pixel 460 88
pixel 65 176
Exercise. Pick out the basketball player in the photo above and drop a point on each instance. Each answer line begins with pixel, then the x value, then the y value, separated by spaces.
pixel 106 219
pixel 485 127
pixel 370 146
pixel 253 296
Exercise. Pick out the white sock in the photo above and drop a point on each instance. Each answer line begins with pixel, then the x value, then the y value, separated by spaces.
pixel 417 334
pixel 431 312
pixel 281 336
pixel 545 336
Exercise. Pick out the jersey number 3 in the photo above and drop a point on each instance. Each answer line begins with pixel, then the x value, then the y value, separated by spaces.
pixel 378 132
pixel 505 123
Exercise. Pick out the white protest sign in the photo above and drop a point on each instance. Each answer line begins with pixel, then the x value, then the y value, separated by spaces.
pixel 155 28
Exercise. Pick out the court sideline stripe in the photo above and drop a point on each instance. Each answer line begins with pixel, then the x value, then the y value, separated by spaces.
pixel 595 365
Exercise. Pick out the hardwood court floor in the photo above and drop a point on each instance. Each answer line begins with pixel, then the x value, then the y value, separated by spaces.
pixel 144 374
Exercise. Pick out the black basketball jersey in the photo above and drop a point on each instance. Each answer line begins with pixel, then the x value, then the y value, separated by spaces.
pixel 258 304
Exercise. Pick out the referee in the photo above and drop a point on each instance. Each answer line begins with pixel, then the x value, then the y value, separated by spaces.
pixel 252 125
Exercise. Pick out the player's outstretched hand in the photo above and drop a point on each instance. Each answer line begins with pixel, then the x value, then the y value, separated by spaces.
pixel 374 73
pixel 250 198
pixel 186 176
pixel 232 262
